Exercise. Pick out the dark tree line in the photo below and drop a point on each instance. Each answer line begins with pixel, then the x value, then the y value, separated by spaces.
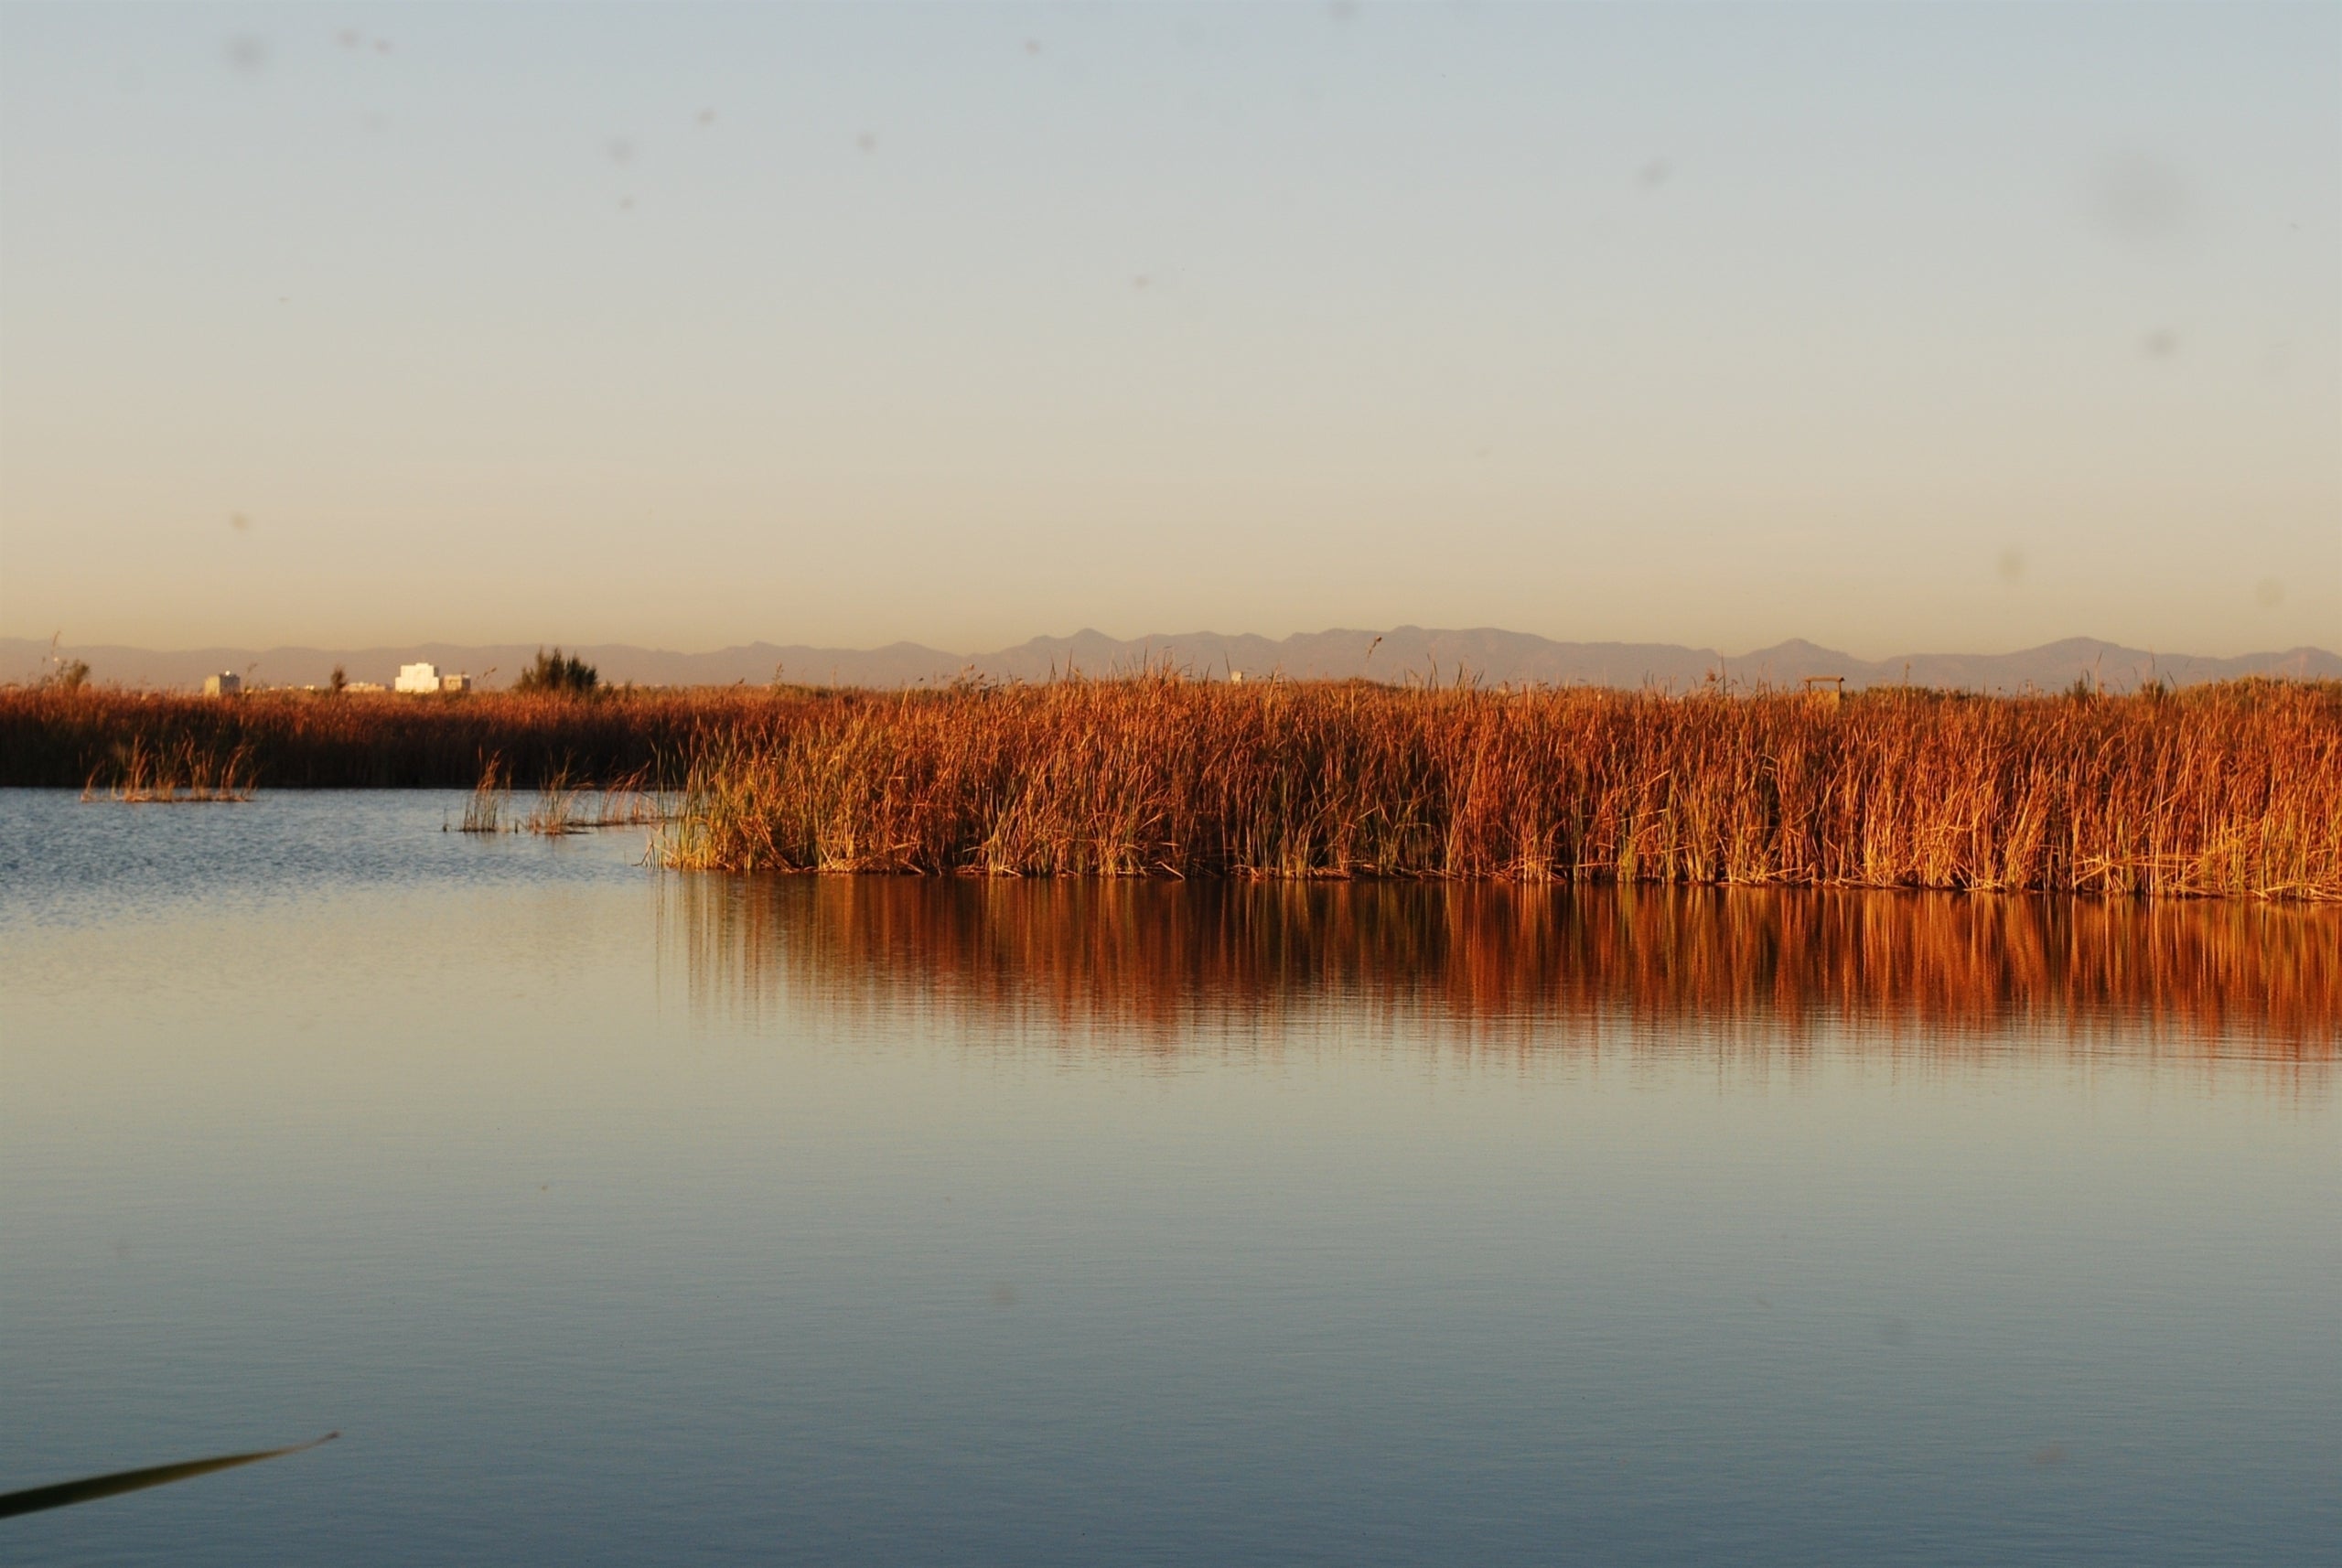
pixel 559 673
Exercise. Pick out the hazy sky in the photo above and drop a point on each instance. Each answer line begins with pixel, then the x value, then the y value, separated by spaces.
pixel 1895 327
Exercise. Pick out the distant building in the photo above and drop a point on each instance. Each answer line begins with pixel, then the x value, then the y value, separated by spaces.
pixel 227 684
pixel 365 686
pixel 426 678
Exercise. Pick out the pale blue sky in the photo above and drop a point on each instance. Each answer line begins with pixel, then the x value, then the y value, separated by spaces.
pixel 1893 328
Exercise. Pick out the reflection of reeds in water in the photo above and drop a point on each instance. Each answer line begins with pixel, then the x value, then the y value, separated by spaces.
pixel 1153 960
pixel 2225 790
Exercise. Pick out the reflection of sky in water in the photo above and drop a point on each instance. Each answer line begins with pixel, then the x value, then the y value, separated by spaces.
pixel 63 859
pixel 602 1248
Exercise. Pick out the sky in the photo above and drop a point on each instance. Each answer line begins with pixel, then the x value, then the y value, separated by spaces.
pixel 1899 328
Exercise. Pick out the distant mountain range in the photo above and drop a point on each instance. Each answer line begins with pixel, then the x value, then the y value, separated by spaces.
pixel 1406 652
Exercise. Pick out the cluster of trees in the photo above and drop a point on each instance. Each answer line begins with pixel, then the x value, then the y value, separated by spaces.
pixel 559 673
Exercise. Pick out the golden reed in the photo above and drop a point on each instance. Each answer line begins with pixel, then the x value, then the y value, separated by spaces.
pixel 1153 965
pixel 95 737
pixel 2233 790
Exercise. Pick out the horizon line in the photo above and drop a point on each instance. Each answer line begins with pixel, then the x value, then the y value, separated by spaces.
pixel 1148 639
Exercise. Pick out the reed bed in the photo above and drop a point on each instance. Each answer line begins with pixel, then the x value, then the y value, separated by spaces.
pixel 562 806
pixel 2231 789
pixel 565 807
pixel 166 772
pixel 2224 790
pixel 59 737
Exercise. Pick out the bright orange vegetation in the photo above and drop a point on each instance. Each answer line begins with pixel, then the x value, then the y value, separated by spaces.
pixel 2233 789
pixel 1157 966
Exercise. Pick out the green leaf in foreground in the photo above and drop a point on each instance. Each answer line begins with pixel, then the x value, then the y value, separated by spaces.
pixel 91 1488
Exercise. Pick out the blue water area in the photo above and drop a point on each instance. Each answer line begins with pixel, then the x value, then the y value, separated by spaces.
pixel 620 1215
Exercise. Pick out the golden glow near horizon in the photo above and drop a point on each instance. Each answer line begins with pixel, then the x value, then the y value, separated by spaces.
pixel 1951 328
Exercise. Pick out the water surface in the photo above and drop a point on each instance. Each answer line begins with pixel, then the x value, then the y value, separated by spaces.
pixel 617 1218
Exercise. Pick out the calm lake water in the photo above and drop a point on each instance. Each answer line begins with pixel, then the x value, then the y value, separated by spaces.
pixel 622 1218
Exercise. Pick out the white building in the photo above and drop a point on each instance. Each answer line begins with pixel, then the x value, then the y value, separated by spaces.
pixel 227 684
pixel 426 678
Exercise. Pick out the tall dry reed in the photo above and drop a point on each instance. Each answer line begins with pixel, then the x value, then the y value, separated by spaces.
pixel 2229 789
pixel 2233 789
pixel 55 736
pixel 187 772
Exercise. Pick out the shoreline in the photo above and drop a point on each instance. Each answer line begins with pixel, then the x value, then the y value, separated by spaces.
pixel 2229 790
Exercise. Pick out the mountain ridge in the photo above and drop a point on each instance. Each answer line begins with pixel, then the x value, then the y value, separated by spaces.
pixel 1488 654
